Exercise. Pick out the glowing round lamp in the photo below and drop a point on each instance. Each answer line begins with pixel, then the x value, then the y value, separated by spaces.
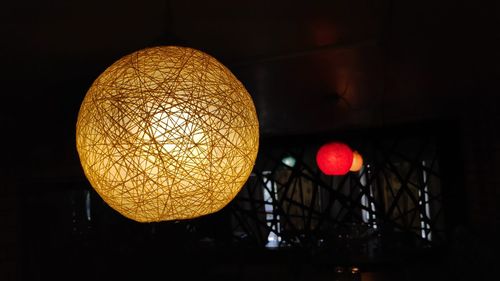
pixel 357 162
pixel 289 161
pixel 334 158
pixel 167 133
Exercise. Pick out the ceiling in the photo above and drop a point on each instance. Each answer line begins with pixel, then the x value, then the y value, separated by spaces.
pixel 311 66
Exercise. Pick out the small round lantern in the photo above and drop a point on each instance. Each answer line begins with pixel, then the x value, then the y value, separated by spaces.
pixel 357 162
pixel 167 133
pixel 334 158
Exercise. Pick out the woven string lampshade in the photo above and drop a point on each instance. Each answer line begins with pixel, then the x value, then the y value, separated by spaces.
pixel 334 158
pixel 167 133
pixel 357 162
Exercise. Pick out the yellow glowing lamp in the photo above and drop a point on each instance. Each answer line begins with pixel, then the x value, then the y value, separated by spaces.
pixel 357 162
pixel 167 133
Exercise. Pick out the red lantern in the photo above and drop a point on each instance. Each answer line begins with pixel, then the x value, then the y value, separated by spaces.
pixel 334 158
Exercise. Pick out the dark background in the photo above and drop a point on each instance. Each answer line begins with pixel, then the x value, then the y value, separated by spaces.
pixel 311 67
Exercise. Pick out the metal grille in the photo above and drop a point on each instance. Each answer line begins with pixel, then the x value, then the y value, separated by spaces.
pixel 396 196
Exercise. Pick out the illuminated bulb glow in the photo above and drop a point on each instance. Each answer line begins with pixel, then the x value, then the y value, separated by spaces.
pixel 357 162
pixel 289 161
pixel 334 158
pixel 167 133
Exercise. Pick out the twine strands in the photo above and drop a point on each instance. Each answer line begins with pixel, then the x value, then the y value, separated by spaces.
pixel 167 133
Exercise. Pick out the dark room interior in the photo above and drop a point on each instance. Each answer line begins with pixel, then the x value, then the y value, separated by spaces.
pixel 411 85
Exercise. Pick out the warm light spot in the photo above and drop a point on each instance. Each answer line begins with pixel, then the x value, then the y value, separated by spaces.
pixel 167 133
pixel 357 162
pixel 334 158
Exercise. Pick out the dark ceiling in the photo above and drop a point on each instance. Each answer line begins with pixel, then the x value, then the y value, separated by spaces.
pixel 311 66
